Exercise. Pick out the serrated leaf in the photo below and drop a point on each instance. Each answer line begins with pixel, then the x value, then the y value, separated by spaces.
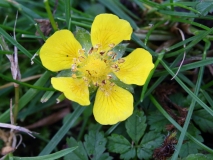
pixel 199 157
pixel 119 50
pixel 79 153
pixel 105 156
pixel 129 154
pixel 204 7
pixel 189 147
pixel 136 125
pixel 118 144
pixel 150 141
pixel 95 144
pixel 83 37
pixel 157 121
pixel 204 120
pixel 144 153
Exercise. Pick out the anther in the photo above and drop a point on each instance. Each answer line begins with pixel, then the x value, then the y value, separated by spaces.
pixel 113 57
pixel 102 52
pixel 109 77
pixel 110 53
pixel 97 46
pixel 73 67
pixel 88 72
pixel 81 58
pixel 112 84
pixel 121 60
pixel 114 66
pixel 96 84
pixel 91 50
pixel 74 76
pixel 85 79
pixel 111 45
pixel 104 81
pixel 81 51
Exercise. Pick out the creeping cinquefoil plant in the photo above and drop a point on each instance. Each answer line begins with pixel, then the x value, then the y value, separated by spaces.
pixel 98 67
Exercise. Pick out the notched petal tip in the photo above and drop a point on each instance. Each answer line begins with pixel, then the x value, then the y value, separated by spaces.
pixel 108 30
pixel 73 89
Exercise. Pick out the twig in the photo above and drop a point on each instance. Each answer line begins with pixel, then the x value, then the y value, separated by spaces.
pixel 18 128
pixel 184 54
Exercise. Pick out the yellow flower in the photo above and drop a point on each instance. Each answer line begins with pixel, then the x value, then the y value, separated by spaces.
pixel 97 66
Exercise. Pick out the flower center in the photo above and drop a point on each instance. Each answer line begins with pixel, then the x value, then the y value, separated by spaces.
pixel 95 67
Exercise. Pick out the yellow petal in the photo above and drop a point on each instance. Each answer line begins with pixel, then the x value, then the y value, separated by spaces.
pixel 112 106
pixel 59 50
pixel 108 29
pixel 136 67
pixel 74 89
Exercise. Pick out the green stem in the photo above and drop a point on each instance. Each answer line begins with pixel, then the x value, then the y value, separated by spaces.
pixel 191 108
pixel 50 15
pixel 160 56
pixel 167 116
pixel 67 13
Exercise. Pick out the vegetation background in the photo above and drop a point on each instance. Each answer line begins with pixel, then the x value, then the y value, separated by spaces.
pixel 173 118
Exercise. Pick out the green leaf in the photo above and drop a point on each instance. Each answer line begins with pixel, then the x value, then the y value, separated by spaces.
pixel 157 122
pixel 150 141
pixel 199 157
pixel 204 7
pixel 95 9
pixel 95 144
pixel 65 73
pixel 83 37
pixel 27 97
pixel 48 157
pixel 63 130
pixel 79 153
pixel 119 50
pixel 203 120
pixel 136 125
pixel 189 147
pixel 121 84
pixel 129 154
pixel 47 95
pixel 118 144
pixel 105 156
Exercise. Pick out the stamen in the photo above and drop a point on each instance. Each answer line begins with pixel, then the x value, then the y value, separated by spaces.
pixel 111 45
pixel 88 72
pixel 73 67
pixel 91 50
pixel 81 51
pixel 102 52
pixel 114 66
pixel 74 75
pixel 104 82
pixel 112 84
pixel 81 58
pixel 110 53
pixel 121 60
pixel 85 79
pixel 109 77
pixel 113 57
pixel 96 84
pixel 97 46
